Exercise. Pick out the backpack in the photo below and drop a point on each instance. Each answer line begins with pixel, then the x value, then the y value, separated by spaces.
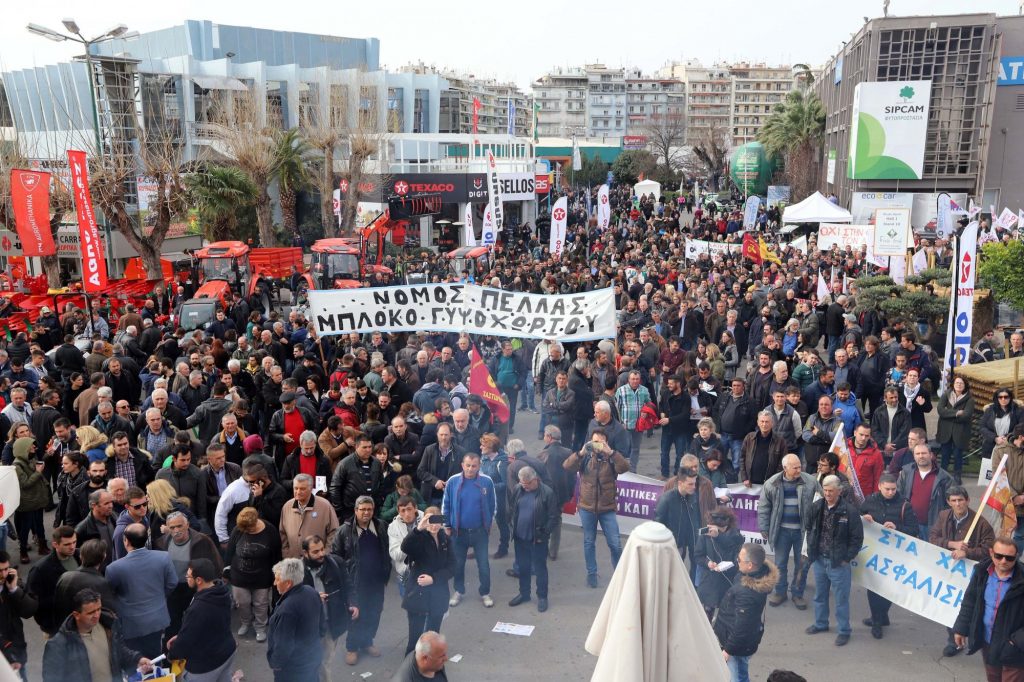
pixel 648 418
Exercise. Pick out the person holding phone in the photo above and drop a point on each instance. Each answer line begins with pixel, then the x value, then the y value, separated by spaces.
pixel 431 563
pixel 15 605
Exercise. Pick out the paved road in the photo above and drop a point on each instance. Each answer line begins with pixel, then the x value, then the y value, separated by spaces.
pixel 911 649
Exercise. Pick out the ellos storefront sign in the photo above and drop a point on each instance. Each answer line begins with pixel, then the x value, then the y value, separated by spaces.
pixel 514 186
pixel 453 187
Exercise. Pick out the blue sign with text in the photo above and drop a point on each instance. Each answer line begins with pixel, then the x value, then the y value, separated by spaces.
pixel 1011 71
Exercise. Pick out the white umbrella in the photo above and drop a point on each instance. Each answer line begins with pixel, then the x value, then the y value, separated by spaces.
pixel 651 626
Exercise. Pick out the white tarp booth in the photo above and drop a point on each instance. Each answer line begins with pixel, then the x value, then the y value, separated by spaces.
pixel 645 187
pixel 816 209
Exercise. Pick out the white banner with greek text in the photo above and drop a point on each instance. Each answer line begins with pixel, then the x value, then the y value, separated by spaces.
pixel 910 572
pixel 456 307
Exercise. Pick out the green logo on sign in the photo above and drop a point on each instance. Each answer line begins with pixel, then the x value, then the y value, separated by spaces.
pixel 907 92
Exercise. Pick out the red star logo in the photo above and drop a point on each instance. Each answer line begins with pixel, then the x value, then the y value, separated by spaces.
pixel 558 214
pixel 604 199
pixel 6 244
pixel 401 187
pixel 343 185
pixel 965 268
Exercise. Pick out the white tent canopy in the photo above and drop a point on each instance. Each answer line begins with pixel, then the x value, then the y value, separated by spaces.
pixel 816 209
pixel 647 187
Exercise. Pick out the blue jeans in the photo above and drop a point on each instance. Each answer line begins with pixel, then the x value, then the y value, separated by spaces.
pixel 669 440
pixel 634 449
pixel 789 540
pixel 532 560
pixel 835 579
pixel 833 346
pixel 1018 534
pixel 610 528
pixel 950 448
pixel 739 668
pixel 501 517
pixel 526 396
pixel 477 539
pixel 734 446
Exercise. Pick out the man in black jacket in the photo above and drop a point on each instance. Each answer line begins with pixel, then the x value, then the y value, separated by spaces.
pixel 535 513
pixel 362 545
pixel 890 509
pixel 68 359
pixel 293 635
pixel 15 605
pixel 834 537
pixel 326 574
pixel 186 479
pixel 205 640
pixel 679 510
pixel 734 417
pixel 553 456
pixel 356 475
pixel 42 579
pixel 994 633
pixel 739 622
pixel 98 524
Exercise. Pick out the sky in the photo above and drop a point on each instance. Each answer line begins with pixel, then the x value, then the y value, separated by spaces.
pixel 517 41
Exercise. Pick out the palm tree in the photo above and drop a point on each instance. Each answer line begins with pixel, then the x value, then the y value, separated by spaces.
pixel 804 76
pixel 220 194
pixel 293 152
pixel 794 132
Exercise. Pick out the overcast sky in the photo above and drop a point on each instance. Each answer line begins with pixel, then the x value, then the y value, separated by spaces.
pixel 516 41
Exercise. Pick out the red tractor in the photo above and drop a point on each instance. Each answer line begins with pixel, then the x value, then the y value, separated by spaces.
pixel 345 262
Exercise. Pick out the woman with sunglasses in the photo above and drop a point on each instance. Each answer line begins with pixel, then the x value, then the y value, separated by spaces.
pixel 999 420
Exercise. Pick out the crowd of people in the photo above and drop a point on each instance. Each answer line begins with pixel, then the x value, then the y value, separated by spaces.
pixel 256 465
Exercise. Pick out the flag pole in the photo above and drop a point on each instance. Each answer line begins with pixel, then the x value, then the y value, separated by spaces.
pixel 984 498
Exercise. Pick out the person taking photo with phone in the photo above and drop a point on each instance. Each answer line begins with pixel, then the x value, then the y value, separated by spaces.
pixel 431 564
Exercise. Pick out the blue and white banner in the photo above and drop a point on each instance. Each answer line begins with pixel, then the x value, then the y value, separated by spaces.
pixel 958 333
pixel 489 234
pixel 750 212
pixel 511 117
pixel 911 573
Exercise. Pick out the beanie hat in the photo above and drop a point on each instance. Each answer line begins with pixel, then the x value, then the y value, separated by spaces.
pixel 253 443
pixel 22 446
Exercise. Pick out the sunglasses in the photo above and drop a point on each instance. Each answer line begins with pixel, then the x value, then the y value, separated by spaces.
pixel 1004 397
pixel 1004 557
pixel 140 505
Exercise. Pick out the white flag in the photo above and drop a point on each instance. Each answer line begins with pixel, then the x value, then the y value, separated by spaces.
pixel 823 289
pixel 898 269
pixel 1007 219
pixel 920 261
pixel 577 164
pixel 559 221
pixel 489 234
pixel 800 244
pixel 972 209
pixel 469 236
pixel 604 209
pixel 494 192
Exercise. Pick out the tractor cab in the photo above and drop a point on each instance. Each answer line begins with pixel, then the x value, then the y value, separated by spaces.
pixel 335 264
pixel 474 259
pixel 226 262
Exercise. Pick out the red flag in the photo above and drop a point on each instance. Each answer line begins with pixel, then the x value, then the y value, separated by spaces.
pixel 94 263
pixel 751 248
pixel 30 197
pixel 481 383
pixel 476 113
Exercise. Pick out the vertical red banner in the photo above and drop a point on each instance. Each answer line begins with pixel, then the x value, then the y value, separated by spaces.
pixel 481 383
pixel 30 198
pixel 94 263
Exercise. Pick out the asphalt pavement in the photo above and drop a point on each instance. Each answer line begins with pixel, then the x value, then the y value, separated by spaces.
pixel 911 648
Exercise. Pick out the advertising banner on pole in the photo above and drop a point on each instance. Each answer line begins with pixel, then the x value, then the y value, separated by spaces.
pixel 750 212
pixel 559 222
pixel 94 262
pixel 891 228
pixel 494 192
pixel 30 199
pixel 912 573
pixel 455 307
pixel 488 236
pixel 888 131
pixel 468 233
pixel 958 336
pixel 604 209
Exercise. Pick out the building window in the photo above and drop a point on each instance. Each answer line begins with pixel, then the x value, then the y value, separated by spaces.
pixel 421 111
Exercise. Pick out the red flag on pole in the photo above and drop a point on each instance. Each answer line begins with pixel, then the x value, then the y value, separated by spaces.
pixel 751 248
pixel 30 198
pixel 476 113
pixel 481 383
pixel 94 262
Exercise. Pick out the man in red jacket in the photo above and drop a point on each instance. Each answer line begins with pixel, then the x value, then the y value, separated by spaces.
pixel 867 459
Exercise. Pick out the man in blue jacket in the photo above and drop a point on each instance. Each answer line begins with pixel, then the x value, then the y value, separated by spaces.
pixel 142 580
pixel 468 506
pixel 294 650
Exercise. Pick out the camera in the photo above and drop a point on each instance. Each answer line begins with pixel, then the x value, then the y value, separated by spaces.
pixel 437 519
pixel 703 531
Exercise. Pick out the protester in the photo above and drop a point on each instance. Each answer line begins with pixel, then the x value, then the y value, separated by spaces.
pixel 431 565
pixel 469 507
pixel 252 552
pixel 715 549
pixel 294 649
pixel 739 624
pixel 204 640
pixel 534 512
pixel 326 574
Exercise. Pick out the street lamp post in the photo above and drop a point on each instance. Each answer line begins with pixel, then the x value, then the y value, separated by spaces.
pixel 75 35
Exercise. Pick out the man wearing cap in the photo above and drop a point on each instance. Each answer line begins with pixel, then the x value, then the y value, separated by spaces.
pixel 286 426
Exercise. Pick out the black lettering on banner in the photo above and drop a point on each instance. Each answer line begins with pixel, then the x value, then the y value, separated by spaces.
pixel 572 326
pixel 577 305
pixel 479 318
pixel 411 317
pixel 440 294
pixel 542 307
pixel 420 295
pixel 395 318
pixel 466 316
pixel 380 318
pixel 381 297
pixel 537 323
pixel 434 314
pixel 486 297
pixel 364 322
pixel 499 321
pixel 401 297
pixel 457 294
pixel 328 323
pixel 525 305
pixel 519 323
pixel 591 319
pixel 558 308
pixel 554 326
pixel 506 302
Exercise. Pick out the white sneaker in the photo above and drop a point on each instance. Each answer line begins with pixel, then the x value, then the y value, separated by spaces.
pixel 243 631
pixel 456 598
pixel 488 602
pixel 261 636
